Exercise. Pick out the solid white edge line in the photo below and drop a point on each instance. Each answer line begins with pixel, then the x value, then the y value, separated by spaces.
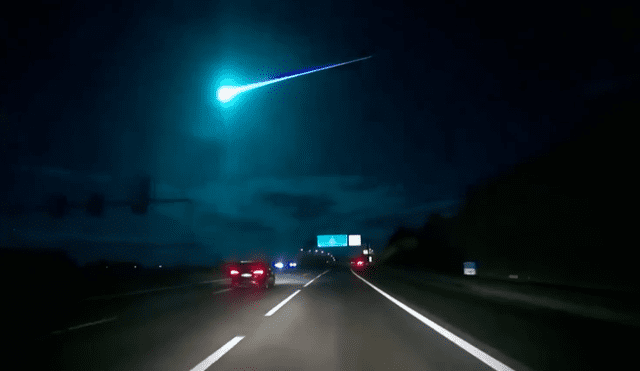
pixel 275 309
pixel 308 283
pixel 217 354
pixel 484 357
pixel 92 323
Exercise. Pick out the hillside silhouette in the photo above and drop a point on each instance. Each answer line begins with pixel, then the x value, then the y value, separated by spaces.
pixel 559 217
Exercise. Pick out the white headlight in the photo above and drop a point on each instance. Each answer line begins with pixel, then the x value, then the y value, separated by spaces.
pixel 279 265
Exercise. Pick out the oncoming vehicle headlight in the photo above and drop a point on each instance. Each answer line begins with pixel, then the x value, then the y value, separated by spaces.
pixel 279 265
pixel 292 264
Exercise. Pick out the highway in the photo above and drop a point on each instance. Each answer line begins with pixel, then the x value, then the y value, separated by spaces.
pixel 327 319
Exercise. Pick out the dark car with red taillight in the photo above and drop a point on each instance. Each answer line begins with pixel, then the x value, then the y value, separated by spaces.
pixel 360 262
pixel 251 274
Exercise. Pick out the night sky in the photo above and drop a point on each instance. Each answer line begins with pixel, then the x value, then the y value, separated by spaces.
pixel 94 95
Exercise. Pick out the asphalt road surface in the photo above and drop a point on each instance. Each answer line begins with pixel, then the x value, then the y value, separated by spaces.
pixel 328 319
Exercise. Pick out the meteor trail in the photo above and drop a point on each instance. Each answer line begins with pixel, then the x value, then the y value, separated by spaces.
pixel 227 92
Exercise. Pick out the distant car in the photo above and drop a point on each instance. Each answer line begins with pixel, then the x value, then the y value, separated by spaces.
pixel 251 274
pixel 359 263
pixel 284 264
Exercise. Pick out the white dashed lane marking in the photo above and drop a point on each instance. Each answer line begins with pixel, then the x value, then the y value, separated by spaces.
pixel 275 309
pixel 308 283
pixel 92 323
pixel 217 354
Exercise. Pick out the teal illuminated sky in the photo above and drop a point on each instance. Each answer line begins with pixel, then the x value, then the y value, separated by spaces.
pixel 453 94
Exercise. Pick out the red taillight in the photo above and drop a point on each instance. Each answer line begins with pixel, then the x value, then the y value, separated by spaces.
pixel 360 263
pixel 258 272
pixel 233 272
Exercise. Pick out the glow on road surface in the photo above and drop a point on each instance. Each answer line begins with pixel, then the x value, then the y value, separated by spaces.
pixel 227 92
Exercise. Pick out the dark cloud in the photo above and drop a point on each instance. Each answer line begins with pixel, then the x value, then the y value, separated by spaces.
pixel 301 207
pixel 249 226
pixel 187 162
pixel 385 222
pixel 414 217
pixel 209 220
pixel 311 242
pixel 360 184
pixel 242 226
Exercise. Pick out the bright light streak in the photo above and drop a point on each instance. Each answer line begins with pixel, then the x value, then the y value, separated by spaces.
pixel 227 92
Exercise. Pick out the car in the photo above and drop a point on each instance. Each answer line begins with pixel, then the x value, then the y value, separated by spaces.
pixel 251 274
pixel 359 263
pixel 284 264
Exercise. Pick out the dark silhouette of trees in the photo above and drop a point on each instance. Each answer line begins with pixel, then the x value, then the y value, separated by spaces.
pixel 437 249
pixel 434 250
pixel 402 233
pixel 37 277
pixel 142 197
pixel 57 205
pixel 554 213
pixel 95 205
